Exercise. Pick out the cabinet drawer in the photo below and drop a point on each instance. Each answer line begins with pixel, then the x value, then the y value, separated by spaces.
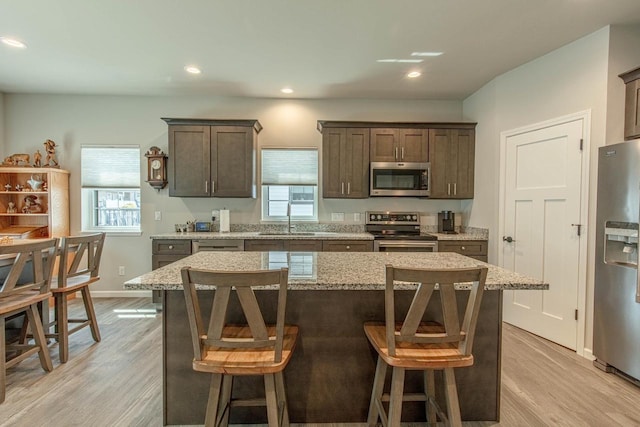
pixel 305 245
pixel 264 245
pixel 347 246
pixel 464 247
pixel 158 261
pixel 171 247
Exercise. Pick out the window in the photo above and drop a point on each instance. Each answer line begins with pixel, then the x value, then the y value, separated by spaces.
pixel 110 188
pixel 290 177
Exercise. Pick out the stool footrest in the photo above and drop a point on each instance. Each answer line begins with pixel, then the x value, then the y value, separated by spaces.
pixel 407 397
pixel 257 401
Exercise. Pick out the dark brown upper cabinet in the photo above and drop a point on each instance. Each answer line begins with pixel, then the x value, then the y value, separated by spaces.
pixel 452 155
pixel 399 145
pixel 345 163
pixel 212 158
pixel 632 103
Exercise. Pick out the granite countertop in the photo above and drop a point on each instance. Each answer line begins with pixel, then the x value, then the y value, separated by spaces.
pixel 329 270
pixel 324 235
pixel 460 236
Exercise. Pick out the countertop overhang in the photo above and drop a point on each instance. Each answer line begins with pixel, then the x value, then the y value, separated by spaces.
pixel 331 270
pixel 318 235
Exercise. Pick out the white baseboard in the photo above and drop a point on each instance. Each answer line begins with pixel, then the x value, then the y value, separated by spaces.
pixel 588 354
pixel 121 294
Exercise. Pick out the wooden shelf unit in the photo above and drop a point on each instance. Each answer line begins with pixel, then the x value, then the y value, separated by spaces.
pixel 54 202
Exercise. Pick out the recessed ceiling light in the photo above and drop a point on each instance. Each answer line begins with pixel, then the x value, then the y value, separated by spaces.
pixel 410 61
pixel 192 69
pixel 426 53
pixel 414 74
pixel 286 90
pixel 13 42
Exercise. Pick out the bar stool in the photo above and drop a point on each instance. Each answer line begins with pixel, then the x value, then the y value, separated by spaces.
pixel 79 266
pixel 25 286
pixel 226 351
pixel 426 346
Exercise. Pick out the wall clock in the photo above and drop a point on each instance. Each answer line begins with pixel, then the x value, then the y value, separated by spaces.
pixel 156 168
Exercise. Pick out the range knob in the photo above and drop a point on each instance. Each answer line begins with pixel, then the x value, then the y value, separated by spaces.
pixel 379 217
pixel 372 217
pixel 414 217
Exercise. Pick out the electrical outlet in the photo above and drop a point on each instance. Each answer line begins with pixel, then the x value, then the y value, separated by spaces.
pixel 121 270
pixel 158 215
pixel 337 216
pixel 356 217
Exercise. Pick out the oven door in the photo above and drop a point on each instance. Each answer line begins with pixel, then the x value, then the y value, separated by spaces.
pixel 405 246
pixel 399 179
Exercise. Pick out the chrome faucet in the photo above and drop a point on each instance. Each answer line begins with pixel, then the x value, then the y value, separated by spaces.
pixel 289 218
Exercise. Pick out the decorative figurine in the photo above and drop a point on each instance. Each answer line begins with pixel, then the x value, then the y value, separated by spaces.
pixel 31 205
pixel 19 187
pixel 7 187
pixel 16 159
pixel 50 148
pixel 11 207
pixel 37 159
pixel 35 183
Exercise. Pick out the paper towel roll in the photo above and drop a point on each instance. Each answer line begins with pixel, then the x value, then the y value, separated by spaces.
pixel 224 220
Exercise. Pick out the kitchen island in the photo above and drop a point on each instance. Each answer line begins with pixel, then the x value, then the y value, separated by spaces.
pixel 332 294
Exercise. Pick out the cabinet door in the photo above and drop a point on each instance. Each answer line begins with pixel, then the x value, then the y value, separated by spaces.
pixel 632 110
pixel 304 245
pixel 464 163
pixel 356 168
pixel 189 164
pixel 439 153
pixel 333 162
pixel 384 145
pixel 414 145
pixel 232 161
pixel 347 246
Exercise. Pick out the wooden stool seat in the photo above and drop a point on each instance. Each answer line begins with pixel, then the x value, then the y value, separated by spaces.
pixel 258 361
pixel 416 344
pixel 417 355
pixel 74 284
pixel 255 348
pixel 18 301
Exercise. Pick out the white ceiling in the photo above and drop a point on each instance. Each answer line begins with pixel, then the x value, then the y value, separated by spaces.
pixel 321 48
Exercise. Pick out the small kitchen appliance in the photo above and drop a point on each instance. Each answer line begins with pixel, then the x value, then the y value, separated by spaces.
pixel 446 222
pixel 202 226
pixel 400 179
pixel 398 232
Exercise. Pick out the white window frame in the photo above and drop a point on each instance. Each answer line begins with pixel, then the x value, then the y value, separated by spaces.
pixel 265 217
pixel 89 202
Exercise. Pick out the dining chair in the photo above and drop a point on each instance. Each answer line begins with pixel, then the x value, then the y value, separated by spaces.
pixel 78 267
pixel 228 350
pixel 25 285
pixel 414 344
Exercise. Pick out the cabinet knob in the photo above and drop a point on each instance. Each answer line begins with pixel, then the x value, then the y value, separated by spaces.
pixel 463 248
pixel 348 247
pixel 170 246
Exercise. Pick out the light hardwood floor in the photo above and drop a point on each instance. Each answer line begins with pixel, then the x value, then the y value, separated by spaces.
pixel 117 382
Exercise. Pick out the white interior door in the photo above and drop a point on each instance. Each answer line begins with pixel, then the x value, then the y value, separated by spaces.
pixel 541 204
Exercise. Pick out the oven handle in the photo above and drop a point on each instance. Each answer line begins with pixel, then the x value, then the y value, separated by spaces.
pixel 407 244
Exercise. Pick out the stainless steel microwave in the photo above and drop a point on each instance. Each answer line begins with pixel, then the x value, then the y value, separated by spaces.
pixel 400 179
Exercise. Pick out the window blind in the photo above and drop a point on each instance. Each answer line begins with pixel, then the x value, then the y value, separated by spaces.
pixel 291 166
pixel 110 167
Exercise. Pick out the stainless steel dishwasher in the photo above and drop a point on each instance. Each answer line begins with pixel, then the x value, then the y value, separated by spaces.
pixel 217 245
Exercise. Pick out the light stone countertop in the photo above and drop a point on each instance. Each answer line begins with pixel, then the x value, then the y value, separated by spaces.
pixel 460 236
pixel 324 235
pixel 329 270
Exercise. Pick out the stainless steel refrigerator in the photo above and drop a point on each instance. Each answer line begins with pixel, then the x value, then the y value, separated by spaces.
pixel 617 286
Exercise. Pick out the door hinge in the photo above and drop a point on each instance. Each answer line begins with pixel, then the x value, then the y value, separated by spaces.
pixel 581 142
pixel 576 314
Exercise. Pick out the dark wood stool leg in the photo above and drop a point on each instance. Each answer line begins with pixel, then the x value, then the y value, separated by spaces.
pixel 39 338
pixel 271 399
pixel 282 400
pixel 453 406
pixel 91 314
pixel 214 400
pixel 3 368
pixel 62 327
pixel 395 401
pixel 430 391
pixel 376 393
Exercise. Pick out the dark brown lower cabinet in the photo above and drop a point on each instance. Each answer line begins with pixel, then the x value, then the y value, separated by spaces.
pixel 347 246
pixel 472 248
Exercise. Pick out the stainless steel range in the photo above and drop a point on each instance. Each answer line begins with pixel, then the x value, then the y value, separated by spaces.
pixel 399 232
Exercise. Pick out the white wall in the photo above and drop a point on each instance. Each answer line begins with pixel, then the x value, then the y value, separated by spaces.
pixel 74 120
pixel 568 80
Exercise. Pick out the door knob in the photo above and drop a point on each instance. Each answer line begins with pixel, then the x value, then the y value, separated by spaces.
pixel 508 239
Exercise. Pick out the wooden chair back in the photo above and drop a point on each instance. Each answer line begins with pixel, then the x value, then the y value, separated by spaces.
pixel 451 331
pixel 243 283
pixel 31 269
pixel 80 256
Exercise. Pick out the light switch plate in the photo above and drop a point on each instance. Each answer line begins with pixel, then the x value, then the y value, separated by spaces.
pixel 337 216
pixel 357 217
pixel 158 216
